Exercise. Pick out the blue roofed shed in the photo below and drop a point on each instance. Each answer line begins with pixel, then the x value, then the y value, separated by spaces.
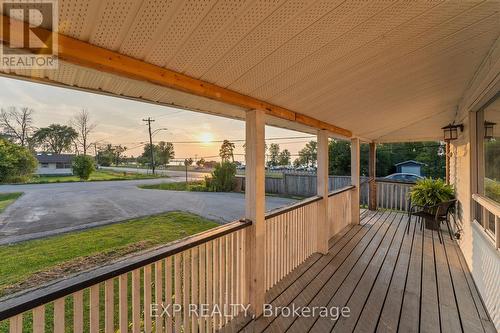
pixel 410 166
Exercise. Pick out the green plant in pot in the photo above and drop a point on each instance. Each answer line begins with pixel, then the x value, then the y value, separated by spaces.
pixel 430 192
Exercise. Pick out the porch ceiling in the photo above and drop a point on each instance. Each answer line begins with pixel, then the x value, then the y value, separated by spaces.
pixel 386 70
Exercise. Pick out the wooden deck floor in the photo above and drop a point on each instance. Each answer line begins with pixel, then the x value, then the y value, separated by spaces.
pixel 390 280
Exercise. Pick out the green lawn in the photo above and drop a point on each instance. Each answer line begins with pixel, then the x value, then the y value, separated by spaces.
pixel 7 198
pixel 96 176
pixel 21 263
pixel 177 186
pixel 38 260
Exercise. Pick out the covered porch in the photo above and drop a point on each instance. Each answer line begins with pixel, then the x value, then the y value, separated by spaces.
pixel 378 72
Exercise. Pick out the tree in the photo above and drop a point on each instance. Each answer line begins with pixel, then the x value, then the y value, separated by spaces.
pixel 284 157
pixel 81 122
pixel 223 177
pixel 165 152
pixel 17 163
pixel 55 138
pixel 200 163
pixel 309 154
pixel 339 156
pixel 105 155
pixel 83 166
pixel 17 124
pixel 274 151
pixel 226 151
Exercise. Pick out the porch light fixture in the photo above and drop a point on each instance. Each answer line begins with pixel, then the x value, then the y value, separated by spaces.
pixel 451 131
pixel 488 129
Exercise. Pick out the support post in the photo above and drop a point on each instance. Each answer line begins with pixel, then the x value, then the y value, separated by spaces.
pixel 372 173
pixel 255 210
pixel 355 157
pixel 447 156
pixel 322 187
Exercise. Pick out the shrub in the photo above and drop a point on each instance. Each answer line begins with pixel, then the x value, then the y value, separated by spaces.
pixel 83 166
pixel 430 192
pixel 17 163
pixel 223 177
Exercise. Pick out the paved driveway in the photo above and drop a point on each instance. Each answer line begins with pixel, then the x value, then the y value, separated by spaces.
pixel 47 209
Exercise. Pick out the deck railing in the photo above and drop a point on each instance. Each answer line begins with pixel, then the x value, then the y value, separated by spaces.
pixel 290 238
pixel 393 195
pixel 339 210
pixel 207 268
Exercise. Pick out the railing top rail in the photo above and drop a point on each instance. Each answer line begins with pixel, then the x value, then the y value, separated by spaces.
pixel 286 209
pixel 378 180
pixel 341 190
pixel 17 305
pixel 492 206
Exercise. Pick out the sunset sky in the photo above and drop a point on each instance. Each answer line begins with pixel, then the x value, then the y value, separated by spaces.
pixel 119 121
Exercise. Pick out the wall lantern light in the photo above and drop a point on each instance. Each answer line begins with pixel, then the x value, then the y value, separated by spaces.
pixel 488 129
pixel 451 131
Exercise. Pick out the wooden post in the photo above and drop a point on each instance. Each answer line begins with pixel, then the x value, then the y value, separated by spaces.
pixel 447 156
pixel 255 209
pixel 372 172
pixel 322 187
pixel 355 157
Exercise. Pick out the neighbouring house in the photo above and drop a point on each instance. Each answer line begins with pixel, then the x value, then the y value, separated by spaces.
pixel 54 164
pixel 410 166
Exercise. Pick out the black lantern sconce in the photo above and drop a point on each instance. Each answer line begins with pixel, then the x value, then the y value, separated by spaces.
pixel 488 129
pixel 451 131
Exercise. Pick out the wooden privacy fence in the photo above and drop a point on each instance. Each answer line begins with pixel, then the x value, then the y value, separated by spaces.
pixel 207 268
pixel 305 185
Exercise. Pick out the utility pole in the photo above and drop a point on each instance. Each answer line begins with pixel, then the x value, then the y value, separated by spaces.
pixel 95 153
pixel 149 121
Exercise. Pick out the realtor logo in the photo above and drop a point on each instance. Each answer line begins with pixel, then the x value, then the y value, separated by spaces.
pixel 29 34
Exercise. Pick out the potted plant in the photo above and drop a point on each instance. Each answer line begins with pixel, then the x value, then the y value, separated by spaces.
pixel 430 192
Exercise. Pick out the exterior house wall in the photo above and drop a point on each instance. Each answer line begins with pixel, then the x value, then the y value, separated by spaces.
pixel 479 251
pixel 52 170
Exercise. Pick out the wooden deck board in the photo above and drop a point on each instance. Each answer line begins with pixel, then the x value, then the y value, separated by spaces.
pixel 391 281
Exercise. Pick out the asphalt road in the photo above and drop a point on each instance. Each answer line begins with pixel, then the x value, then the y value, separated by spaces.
pixel 47 209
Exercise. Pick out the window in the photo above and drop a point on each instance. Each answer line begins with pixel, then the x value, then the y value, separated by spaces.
pixel 45 165
pixel 59 165
pixel 488 167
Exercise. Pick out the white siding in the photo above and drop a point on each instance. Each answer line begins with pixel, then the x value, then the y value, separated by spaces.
pixel 479 252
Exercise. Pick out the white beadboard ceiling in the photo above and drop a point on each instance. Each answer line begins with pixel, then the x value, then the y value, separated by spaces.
pixel 386 70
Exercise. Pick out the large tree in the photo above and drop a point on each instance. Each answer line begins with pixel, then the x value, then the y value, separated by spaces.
pixel 83 126
pixel 226 151
pixel 274 151
pixel 284 157
pixel 17 124
pixel 55 138
pixel 308 155
pixel 163 152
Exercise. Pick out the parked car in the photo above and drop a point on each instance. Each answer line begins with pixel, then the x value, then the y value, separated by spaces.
pixel 404 177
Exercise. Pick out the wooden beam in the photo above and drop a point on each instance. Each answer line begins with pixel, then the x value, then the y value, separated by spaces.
pixel 90 56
